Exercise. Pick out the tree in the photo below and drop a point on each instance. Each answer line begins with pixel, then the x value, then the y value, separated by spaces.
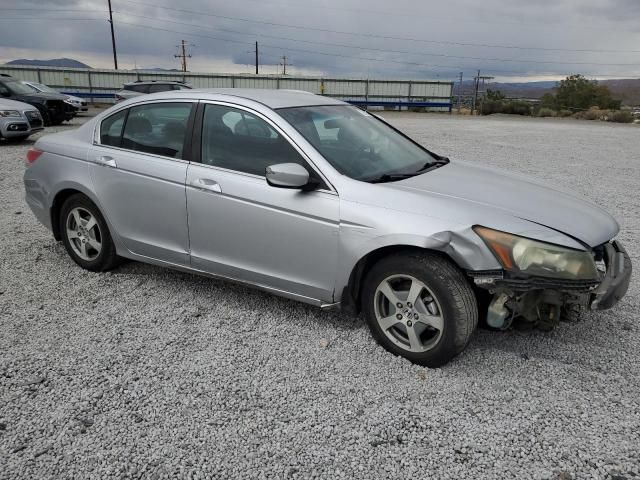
pixel 494 94
pixel 576 92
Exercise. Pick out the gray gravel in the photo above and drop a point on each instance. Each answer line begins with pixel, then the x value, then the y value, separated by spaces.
pixel 150 373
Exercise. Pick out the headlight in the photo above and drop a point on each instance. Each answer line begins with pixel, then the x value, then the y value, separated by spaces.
pixel 9 113
pixel 528 256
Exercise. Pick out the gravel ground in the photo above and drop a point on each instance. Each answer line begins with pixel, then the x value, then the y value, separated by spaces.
pixel 151 373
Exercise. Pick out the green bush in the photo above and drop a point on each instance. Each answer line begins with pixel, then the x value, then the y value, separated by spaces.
pixel 517 107
pixel 565 113
pixel 620 116
pixel 594 113
pixel 512 107
pixel 491 106
pixel 546 112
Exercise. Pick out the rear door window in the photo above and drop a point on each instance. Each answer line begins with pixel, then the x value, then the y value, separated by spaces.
pixel 157 128
pixel 160 87
pixel 137 88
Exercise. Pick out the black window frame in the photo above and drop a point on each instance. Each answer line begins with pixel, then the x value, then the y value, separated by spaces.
pixel 197 146
pixel 187 149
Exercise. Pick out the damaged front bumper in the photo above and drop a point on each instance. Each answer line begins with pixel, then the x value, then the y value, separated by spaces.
pixel 617 277
pixel 541 300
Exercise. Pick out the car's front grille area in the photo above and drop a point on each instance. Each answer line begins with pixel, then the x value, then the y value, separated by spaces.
pixel 35 120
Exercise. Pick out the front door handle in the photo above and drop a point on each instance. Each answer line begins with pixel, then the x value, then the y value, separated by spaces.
pixel 106 161
pixel 207 184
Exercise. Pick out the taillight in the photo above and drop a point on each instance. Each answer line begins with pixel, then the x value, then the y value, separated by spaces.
pixel 33 154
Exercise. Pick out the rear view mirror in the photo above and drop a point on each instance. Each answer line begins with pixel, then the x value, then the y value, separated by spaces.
pixel 332 123
pixel 287 175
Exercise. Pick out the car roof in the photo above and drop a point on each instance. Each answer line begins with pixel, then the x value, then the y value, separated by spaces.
pixel 143 82
pixel 272 98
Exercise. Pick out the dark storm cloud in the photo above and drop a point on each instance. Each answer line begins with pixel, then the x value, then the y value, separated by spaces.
pixel 546 24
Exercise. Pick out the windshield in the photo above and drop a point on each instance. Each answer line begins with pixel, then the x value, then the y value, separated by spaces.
pixel 357 144
pixel 43 88
pixel 20 88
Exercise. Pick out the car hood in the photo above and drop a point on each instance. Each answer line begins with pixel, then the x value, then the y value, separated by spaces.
pixel 519 196
pixel 39 97
pixel 6 104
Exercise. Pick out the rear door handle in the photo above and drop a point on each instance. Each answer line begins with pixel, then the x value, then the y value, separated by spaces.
pixel 106 161
pixel 207 184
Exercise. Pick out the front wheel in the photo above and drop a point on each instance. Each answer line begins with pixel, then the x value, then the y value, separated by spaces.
pixel 85 235
pixel 420 306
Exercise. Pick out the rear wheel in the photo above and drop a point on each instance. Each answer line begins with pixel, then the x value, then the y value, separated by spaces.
pixel 85 235
pixel 420 306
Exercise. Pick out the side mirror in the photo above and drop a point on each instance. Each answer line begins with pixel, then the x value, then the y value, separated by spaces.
pixel 287 175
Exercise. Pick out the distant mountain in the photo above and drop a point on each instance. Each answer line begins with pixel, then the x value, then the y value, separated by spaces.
pixel 54 62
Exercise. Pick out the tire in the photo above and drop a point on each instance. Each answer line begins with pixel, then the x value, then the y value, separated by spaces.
pixel 19 138
pixel 443 317
pixel 90 234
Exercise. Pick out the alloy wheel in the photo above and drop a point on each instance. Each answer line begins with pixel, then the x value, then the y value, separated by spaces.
pixel 408 313
pixel 83 232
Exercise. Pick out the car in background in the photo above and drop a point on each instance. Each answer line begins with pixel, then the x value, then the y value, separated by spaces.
pixel 52 107
pixel 142 87
pixel 79 104
pixel 18 120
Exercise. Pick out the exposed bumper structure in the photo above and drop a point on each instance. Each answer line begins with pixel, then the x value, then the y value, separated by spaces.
pixel 542 300
pixel 616 281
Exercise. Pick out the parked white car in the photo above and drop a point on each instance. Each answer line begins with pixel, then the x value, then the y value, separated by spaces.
pixel 76 102
pixel 18 120
pixel 143 87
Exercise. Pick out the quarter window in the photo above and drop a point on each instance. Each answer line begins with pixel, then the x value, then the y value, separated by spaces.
pixel 111 129
pixel 237 140
pixel 157 128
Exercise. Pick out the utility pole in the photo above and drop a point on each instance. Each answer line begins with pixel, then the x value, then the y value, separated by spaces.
pixel 284 64
pixel 476 81
pixel 183 56
pixel 256 58
pixel 460 93
pixel 113 37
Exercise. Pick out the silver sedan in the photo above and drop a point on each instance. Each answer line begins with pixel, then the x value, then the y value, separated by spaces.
pixel 18 120
pixel 315 200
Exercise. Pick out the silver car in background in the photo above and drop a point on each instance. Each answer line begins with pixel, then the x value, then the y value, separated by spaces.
pixel 76 102
pixel 18 120
pixel 144 87
pixel 313 199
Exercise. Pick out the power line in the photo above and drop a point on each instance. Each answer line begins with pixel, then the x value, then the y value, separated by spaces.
pixel 383 50
pixel 371 35
pixel 406 63
pixel 280 47
pixel 368 35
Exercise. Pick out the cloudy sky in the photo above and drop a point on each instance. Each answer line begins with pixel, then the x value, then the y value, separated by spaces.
pixel 512 40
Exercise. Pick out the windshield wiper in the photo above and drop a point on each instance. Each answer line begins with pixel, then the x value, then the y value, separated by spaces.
pixel 390 177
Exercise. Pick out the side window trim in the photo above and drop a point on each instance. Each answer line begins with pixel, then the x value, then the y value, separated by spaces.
pixel 196 144
pixel 186 151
